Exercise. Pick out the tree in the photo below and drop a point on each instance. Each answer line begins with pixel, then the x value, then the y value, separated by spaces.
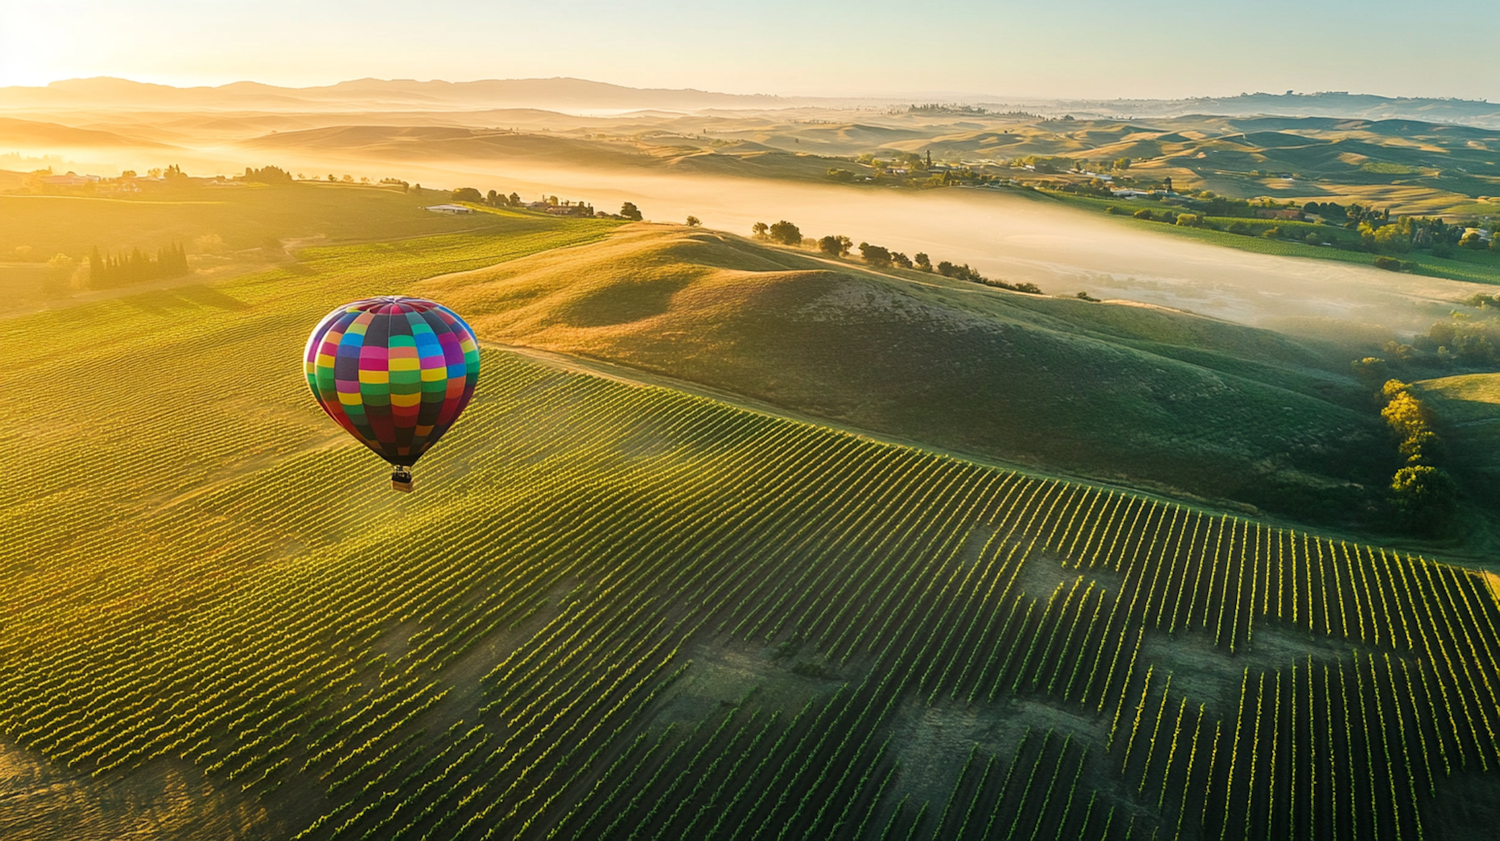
pixel 900 259
pixel 1371 370
pixel 514 199
pixel 630 211
pixel 842 175
pixel 1390 238
pixel 60 271
pixel 835 245
pixel 1472 240
pixel 693 221
pixel 760 230
pixel 785 233
pixel 1406 414
pixel 1424 496
pixel 468 194
pixel 923 261
pixel 875 255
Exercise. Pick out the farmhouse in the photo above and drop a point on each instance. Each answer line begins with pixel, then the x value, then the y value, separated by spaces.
pixel 1278 213
pixel 72 179
pixel 454 209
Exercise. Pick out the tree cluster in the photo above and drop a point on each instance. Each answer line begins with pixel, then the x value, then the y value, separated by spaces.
pixel 1422 493
pixel 946 108
pixel 838 245
pixel 1473 343
pixel 835 245
pixel 782 232
pixel 267 175
pixel 137 266
pixel 947 269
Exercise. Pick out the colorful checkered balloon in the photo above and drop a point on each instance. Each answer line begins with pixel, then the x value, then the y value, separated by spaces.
pixel 394 372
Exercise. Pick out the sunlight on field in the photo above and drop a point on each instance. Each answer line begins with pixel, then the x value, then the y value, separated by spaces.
pixel 613 609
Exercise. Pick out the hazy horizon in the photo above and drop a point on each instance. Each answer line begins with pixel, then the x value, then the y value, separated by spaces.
pixel 1076 49
pixel 879 95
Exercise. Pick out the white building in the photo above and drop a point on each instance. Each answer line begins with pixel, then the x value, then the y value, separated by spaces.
pixel 454 209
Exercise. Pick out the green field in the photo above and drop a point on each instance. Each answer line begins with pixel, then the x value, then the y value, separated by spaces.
pixel 615 611
pixel 1463 264
pixel 224 229
pixel 242 215
pixel 1190 406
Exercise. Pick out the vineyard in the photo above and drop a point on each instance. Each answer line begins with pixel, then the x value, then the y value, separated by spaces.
pixel 617 611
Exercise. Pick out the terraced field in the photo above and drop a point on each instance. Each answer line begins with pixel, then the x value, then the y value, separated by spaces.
pixel 622 611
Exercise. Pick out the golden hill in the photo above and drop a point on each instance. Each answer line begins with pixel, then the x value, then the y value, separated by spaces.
pixel 1150 397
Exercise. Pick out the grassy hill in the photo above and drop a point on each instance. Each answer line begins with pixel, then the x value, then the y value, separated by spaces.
pixel 660 151
pixel 1144 396
pixel 35 134
pixel 622 611
pixel 225 228
pixel 1467 411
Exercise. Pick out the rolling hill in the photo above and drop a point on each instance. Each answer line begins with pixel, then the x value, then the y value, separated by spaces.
pixel 614 609
pixel 105 93
pixel 32 134
pixel 1149 397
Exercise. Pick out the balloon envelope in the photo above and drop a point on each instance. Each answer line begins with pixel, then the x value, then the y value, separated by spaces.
pixel 394 372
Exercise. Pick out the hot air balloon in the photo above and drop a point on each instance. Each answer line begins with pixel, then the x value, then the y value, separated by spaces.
pixel 395 373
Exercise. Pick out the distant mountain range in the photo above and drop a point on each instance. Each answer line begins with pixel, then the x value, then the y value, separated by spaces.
pixel 1328 104
pixel 581 95
pixel 112 94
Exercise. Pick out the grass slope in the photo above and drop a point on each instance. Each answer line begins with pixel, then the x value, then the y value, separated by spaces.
pixel 224 229
pixel 615 611
pixel 1134 394
pixel 1467 410
pixel 242 215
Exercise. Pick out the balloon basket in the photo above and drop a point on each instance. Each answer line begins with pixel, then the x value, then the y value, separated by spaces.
pixel 401 480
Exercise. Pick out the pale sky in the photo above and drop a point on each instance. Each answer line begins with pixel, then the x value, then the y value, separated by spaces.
pixel 1017 48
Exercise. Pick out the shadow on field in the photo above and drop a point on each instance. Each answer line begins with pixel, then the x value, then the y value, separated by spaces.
pixel 164 301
